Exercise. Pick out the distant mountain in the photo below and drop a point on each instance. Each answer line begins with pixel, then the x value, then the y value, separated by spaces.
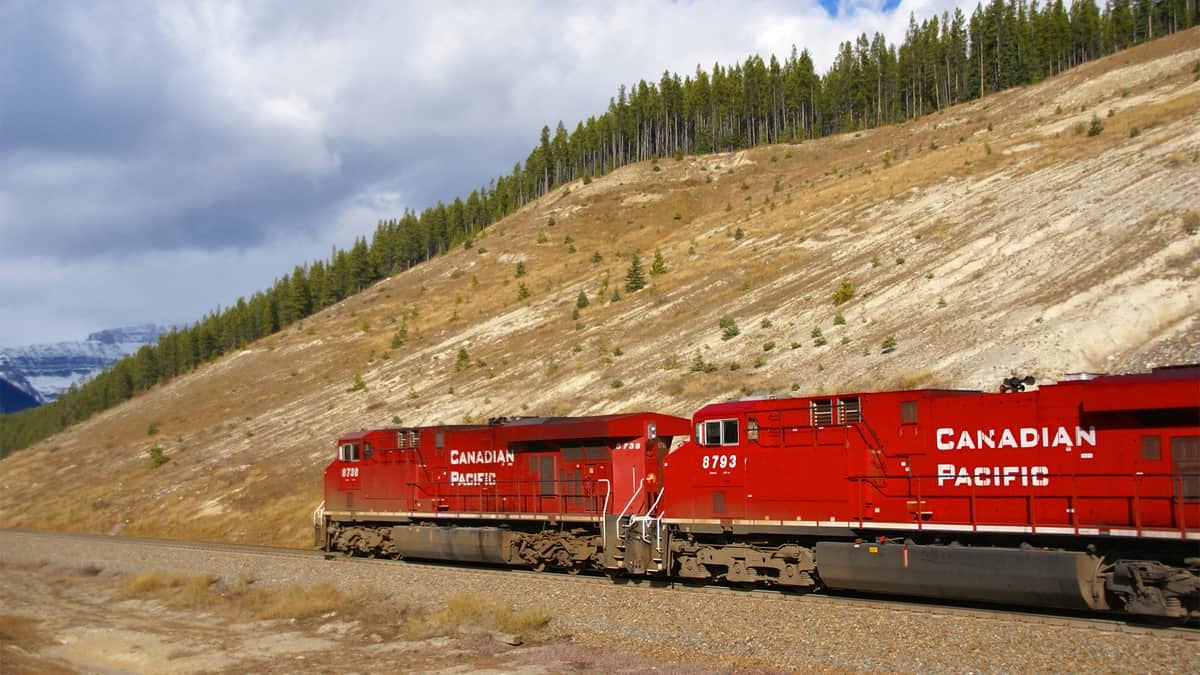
pixel 43 372
pixel 14 398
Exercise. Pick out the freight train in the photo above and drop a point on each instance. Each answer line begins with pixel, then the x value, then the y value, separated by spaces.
pixel 1082 494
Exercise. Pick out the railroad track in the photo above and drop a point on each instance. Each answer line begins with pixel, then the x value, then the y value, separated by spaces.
pixel 916 606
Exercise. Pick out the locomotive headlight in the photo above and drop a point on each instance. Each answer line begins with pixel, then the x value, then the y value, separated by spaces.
pixel 651 431
pixel 650 478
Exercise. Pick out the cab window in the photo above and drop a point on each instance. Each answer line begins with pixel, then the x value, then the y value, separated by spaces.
pixel 719 432
pixel 348 452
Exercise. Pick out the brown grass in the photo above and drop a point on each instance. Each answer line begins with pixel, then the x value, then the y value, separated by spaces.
pixel 466 613
pixel 242 600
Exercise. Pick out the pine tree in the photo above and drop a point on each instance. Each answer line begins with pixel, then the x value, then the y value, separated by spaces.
pixel 581 301
pixel 659 266
pixel 635 278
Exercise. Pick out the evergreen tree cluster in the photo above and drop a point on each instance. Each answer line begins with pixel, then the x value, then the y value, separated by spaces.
pixel 942 61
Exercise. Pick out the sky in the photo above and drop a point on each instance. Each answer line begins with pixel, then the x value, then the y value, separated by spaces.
pixel 158 160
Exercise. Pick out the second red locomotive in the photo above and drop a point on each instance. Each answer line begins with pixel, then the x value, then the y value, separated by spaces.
pixel 1083 494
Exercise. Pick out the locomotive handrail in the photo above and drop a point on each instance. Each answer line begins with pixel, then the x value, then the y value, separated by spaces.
pixel 604 512
pixel 648 516
pixel 626 509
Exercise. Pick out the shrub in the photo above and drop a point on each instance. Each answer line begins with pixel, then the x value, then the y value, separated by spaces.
pixel 1095 127
pixel 617 384
pixel 818 337
pixel 734 365
pixel 550 222
pixel 154 454
pixel 358 384
pixel 581 300
pixel 522 291
pixel 768 345
pixel 844 293
pixel 596 257
pixel 520 269
pixel 659 266
pixel 739 233
pixel 587 179
pixel 1191 222
pixel 541 239
pixel 699 366
pixel 463 360
pixel 1134 132
pixel 765 323
pixel 152 429
pixel 839 320
pixel 400 336
pixel 759 362
pixel 888 345
pixel 729 328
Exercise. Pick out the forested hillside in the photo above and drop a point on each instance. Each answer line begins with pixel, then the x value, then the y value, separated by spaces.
pixel 943 61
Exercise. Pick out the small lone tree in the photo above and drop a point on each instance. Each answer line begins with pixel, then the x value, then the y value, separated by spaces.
pixel 462 360
pixel 635 278
pixel 844 293
pixel 520 268
pixel 522 291
pixel 581 300
pixel 659 266
pixel 729 328
pixel 156 457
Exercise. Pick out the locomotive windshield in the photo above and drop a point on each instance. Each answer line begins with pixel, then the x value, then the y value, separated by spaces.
pixel 718 432
pixel 348 452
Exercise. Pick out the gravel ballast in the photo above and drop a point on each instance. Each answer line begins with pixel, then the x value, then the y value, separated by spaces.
pixel 716 628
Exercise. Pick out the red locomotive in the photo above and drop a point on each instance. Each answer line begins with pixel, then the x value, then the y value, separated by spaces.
pixel 1083 494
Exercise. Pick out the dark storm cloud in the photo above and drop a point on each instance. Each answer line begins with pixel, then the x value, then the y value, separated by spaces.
pixel 46 100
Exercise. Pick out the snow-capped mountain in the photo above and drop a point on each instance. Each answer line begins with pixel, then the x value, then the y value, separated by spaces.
pixel 45 371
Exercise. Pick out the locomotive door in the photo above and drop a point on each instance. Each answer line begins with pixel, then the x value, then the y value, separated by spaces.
pixel 542 491
pixel 584 478
pixel 629 486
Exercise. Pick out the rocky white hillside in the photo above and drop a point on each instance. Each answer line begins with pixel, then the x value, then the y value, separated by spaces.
pixel 998 237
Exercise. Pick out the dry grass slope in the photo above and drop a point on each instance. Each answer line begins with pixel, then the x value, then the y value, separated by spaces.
pixel 985 240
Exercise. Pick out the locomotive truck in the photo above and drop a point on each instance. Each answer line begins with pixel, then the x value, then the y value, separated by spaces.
pixel 1083 494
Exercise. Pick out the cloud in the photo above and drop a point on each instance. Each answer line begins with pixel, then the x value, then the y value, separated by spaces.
pixel 136 139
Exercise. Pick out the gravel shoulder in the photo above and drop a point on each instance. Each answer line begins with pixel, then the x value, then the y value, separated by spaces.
pixel 63 608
